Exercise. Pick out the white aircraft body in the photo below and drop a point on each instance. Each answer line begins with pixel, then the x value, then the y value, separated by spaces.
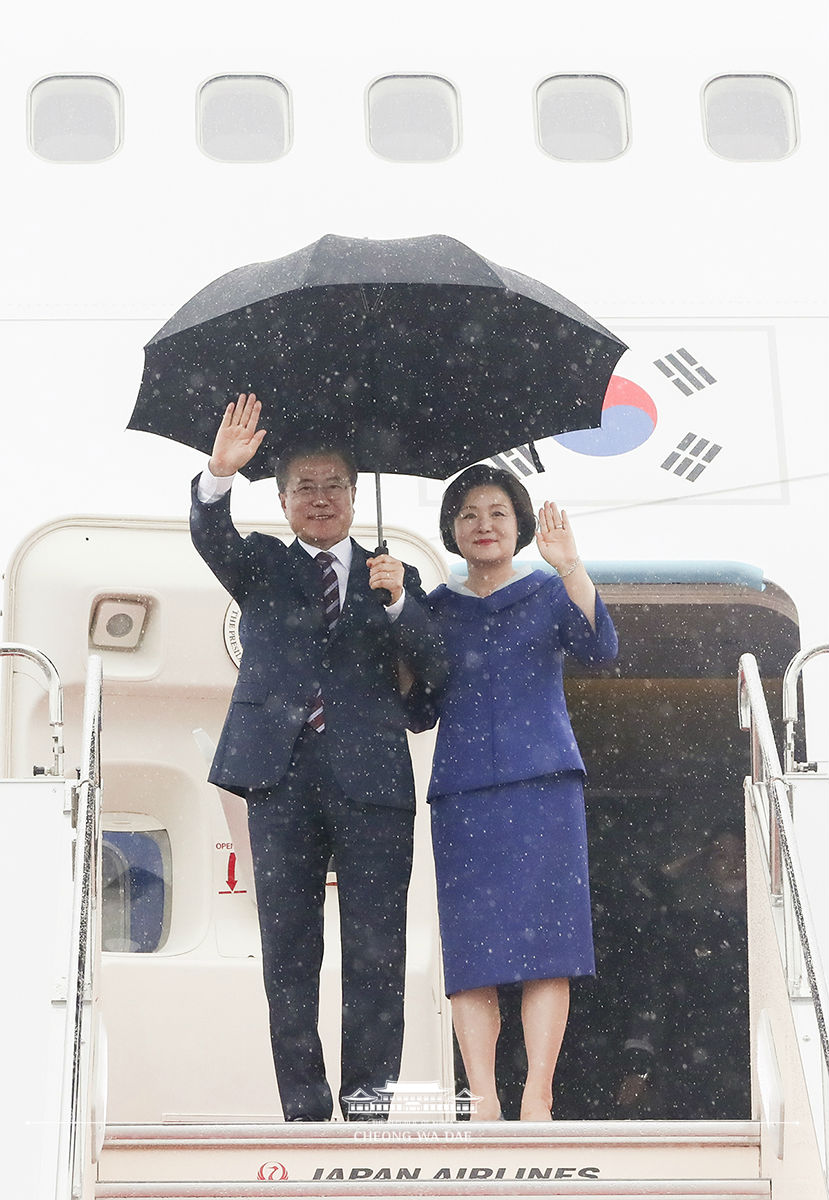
pixel 668 173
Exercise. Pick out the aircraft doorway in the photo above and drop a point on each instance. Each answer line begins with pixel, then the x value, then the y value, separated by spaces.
pixel 666 759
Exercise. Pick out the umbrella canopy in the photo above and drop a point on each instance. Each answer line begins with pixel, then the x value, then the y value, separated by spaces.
pixel 418 353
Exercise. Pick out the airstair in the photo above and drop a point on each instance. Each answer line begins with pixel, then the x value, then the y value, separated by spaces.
pixel 55 1054
pixel 608 1159
pixel 780 1153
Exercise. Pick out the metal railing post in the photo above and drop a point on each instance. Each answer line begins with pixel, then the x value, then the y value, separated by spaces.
pixel 786 886
pixel 75 1143
pixel 790 714
pixel 18 650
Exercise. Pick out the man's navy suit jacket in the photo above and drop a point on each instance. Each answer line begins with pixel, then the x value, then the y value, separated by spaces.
pixel 288 654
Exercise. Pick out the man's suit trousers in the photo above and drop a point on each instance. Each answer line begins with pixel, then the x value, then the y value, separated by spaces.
pixel 295 828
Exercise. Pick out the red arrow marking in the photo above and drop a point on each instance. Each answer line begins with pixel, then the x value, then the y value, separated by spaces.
pixel 232 881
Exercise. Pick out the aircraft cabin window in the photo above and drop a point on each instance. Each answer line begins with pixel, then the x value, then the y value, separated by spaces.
pixel 413 118
pixel 75 118
pixel 749 118
pixel 582 118
pixel 136 895
pixel 243 118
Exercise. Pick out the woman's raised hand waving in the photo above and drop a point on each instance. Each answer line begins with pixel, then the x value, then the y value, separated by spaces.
pixel 555 540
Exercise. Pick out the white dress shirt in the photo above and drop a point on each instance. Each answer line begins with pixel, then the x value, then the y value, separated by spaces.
pixel 212 487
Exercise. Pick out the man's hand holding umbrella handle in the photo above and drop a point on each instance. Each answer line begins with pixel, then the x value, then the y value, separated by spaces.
pixel 237 439
pixel 557 546
pixel 386 573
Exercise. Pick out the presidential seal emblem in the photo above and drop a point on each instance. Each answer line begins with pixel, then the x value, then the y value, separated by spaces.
pixel 233 643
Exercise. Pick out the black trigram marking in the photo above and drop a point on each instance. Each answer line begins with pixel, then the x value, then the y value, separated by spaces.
pixel 694 452
pixel 683 370
pixel 519 461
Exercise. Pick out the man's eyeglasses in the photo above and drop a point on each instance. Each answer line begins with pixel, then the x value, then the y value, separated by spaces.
pixel 331 491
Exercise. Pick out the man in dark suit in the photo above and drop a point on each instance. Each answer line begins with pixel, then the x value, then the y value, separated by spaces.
pixel 315 740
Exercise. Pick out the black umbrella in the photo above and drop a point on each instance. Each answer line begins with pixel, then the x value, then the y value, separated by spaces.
pixel 418 353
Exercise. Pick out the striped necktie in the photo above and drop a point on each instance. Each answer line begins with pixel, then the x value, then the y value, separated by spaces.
pixel 331 611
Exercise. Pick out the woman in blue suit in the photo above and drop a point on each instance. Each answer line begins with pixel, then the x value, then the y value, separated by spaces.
pixel 507 807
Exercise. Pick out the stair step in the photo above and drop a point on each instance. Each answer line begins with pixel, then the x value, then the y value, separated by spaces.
pixel 396 1158
pixel 606 1189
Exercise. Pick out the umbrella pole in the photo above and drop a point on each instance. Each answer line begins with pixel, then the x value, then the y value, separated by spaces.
pixel 381 544
pixel 534 455
pixel 383 595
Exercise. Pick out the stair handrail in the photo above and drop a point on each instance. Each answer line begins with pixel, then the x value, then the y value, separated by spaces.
pixel 790 707
pixel 19 650
pixel 769 787
pixel 77 1132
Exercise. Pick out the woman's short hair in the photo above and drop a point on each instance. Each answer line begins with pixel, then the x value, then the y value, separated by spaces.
pixel 482 475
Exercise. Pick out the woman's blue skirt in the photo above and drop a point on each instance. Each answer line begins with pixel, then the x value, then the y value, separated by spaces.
pixel 513 888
